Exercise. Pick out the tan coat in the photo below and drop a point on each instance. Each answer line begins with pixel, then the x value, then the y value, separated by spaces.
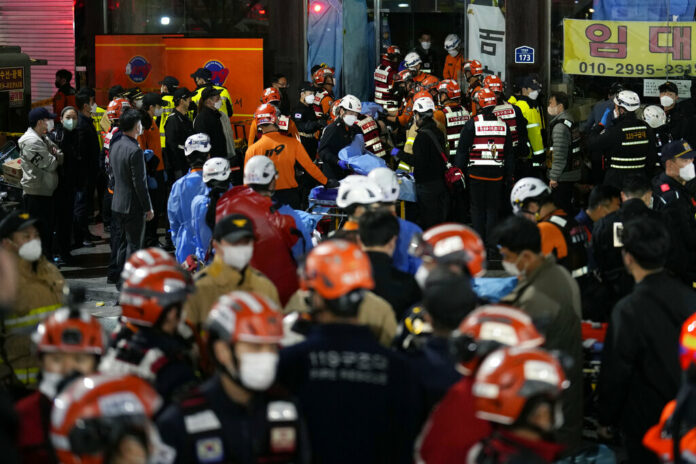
pixel 39 294
pixel 375 312
pixel 218 279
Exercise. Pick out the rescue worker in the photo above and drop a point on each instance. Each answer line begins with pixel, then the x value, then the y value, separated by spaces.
pixel 473 71
pixel 216 177
pixel 485 155
pixel 306 121
pixel 338 135
pixel 285 125
pixel 379 388
pixel 657 119
pixel 564 147
pixel 453 428
pixel 524 413
pixel 65 95
pixel 454 60
pixel 414 63
pixel 177 129
pixel 275 233
pixel 204 79
pixel 431 63
pixel 356 195
pixel 69 343
pixel 403 86
pixel 212 121
pixel 528 103
pixel 603 111
pixel 450 112
pixel 106 419
pixel 627 146
pixel 512 116
pixel 285 152
pixel 152 299
pixel 680 118
pixel 640 359
pixel 39 294
pixel 168 86
pixel 184 190
pixel 678 205
pixel 233 241
pixel 246 419
pixel 384 78
pixel 323 80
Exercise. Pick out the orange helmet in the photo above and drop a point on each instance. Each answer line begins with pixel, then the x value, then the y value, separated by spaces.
pixel 320 75
pixel 393 52
pixel 489 327
pixel 266 114
pixel 333 112
pixel 271 94
pixel 247 317
pixel 510 377
pixel 93 412
pixel 116 108
pixel 687 343
pixel 422 94
pixel 450 88
pixel 659 438
pixel 486 97
pixel 146 257
pixel 474 67
pixel 403 76
pixel 73 331
pixel 494 83
pixel 152 289
pixel 336 269
pixel 452 243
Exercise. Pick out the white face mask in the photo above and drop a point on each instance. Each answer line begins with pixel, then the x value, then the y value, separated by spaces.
pixel 93 108
pixel 140 129
pixel 69 124
pixel 237 256
pixel 218 104
pixel 553 110
pixel 688 172
pixel 50 124
pixel 139 103
pixel 49 384
pixel 666 101
pixel 257 370
pixel 158 112
pixel 534 94
pixel 349 119
pixel 652 203
pixel 421 276
pixel 511 268
pixel 30 251
pixel 454 52
pixel 309 99
pixel 425 45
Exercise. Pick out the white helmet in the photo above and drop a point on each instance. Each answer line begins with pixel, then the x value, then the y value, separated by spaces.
pixel 259 170
pixel 627 99
pixel 412 60
pixel 525 189
pixel 197 142
pixel 655 116
pixel 387 182
pixel 216 169
pixel 423 105
pixel 358 190
pixel 452 41
pixel 351 103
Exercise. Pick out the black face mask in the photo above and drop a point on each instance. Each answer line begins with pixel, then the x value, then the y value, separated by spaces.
pixel 219 185
pixel 57 83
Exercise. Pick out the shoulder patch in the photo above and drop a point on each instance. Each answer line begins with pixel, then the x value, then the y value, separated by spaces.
pixel 202 422
pixel 298 115
pixel 664 188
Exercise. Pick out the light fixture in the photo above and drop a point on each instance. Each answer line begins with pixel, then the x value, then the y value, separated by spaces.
pixel 403 5
pixel 164 20
pixel 591 10
pixel 317 7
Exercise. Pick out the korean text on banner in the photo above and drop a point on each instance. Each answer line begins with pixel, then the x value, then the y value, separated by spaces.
pixel 487 38
pixel 629 49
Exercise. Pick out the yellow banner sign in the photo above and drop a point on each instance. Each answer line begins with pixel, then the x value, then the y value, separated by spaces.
pixel 629 48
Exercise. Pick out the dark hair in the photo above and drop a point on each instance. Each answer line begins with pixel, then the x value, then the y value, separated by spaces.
pixel 129 119
pixel 277 76
pixel 518 234
pixel 315 68
pixel 88 90
pixel 64 74
pixel 635 186
pixel 115 90
pixel 561 99
pixel 448 297
pixel 602 194
pixel 425 32
pixel 377 228
pixel 81 99
pixel 215 194
pixel 647 240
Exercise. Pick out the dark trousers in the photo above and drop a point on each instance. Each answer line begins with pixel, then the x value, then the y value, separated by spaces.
pixel 290 197
pixel 563 197
pixel 127 235
pixel 84 207
pixel 64 216
pixel 433 203
pixel 486 196
pixel 159 205
pixel 106 207
pixel 42 208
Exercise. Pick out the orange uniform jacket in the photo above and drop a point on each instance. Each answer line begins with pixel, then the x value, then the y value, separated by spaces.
pixel 60 101
pixel 254 133
pixel 453 66
pixel 284 151
pixel 552 238
pixel 150 140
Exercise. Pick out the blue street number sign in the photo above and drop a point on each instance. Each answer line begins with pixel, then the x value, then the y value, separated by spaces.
pixel 524 54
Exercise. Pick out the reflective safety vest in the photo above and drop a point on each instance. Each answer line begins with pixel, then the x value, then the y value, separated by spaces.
pixel 27 323
pixel 574 159
pixel 318 98
pixel 506 113
pixel 634 148
pixel 489 143
pixel 96 121
pixel 384 82
pixel 284 124
pixel 224 94
pixel 455 118
pixel 534 126
pixel 370 130
pixel 166 111
pixel 573 254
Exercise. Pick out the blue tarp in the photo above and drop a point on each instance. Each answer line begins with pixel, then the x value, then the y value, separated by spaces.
pixel 357 67
pixel 494 288
pixel 325 38
pixel 360 160
pixel 644 10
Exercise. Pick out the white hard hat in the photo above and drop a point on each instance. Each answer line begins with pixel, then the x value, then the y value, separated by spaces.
pixel 627 99
pixel 358 190
pixel 655 116
pixel 412 60
pixel 387 182
pixel 216 169
pixel 259 170
pixel 351 103
pixel 525 189
pixel 197 142
pixel 423 105
pixel 452 41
